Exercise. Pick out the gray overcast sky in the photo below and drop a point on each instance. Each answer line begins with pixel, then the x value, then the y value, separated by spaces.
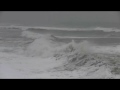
pixel 56 17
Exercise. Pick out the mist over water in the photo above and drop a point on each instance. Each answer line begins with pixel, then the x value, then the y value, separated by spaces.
pixel 89 24
pixel 62 19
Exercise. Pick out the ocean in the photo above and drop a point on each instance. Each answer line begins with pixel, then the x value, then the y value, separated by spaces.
pixel 99 37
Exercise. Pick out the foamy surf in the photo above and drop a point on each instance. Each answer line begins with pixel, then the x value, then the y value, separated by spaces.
pixel 45 57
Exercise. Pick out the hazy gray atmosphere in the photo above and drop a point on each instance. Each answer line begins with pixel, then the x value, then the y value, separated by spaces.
pixel 59 45
pixel 61 18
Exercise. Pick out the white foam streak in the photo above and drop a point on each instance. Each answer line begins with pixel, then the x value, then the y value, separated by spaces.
pixel 61 28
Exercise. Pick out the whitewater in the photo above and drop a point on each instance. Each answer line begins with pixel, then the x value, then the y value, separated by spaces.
pixel 35 55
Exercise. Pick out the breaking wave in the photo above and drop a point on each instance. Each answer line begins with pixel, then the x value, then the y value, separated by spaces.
pixel 31 35
pixel 105 29
pixel 46 45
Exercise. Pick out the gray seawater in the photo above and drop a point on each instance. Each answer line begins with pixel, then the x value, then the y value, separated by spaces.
pixel 96 37
pixel 15 34
pixel 97 41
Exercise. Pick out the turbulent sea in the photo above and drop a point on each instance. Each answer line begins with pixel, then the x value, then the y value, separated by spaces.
pixel 33 51
pixel 97 35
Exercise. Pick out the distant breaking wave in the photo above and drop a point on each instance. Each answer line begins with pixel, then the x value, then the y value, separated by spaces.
pixel 61 28
pixel 62 37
